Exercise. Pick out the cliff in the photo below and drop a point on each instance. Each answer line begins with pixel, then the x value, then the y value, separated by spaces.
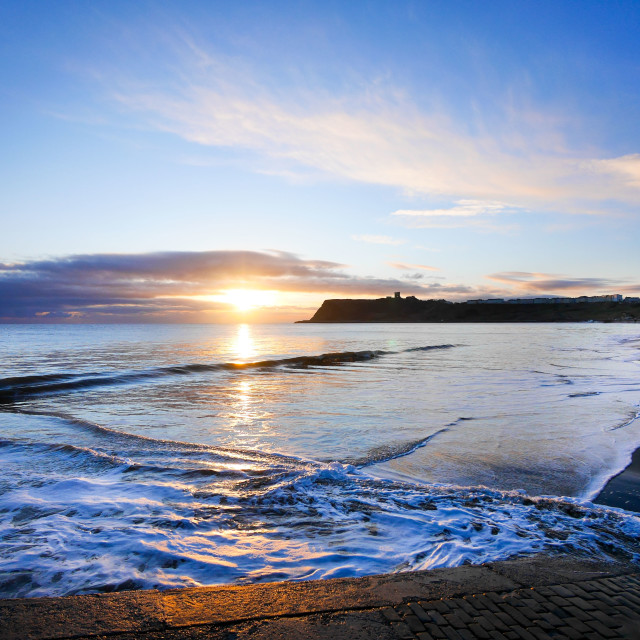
pixel 413 310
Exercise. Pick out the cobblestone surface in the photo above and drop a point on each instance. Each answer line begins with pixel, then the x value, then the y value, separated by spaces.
pixel 587 610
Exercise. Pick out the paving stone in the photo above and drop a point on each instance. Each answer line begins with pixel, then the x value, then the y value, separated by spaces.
pixel 424 635
pixel 571 633
pixel 434 630
pixel 607 589
pixel 494 597
pixel 560 602
pixel 537 596
pixel 455 621
pixel 610 583
pixel 423 616
pixel 414 623
pixel 582 603
pixel 493 619
pixel 460 615
pixel 529 614
pixel 402 631
pixel 539 634
pixel 545 625
pixel 531 604
pixel 590 585
pixel 486 603
pixel 479 632
pixel 628 613
pixel 603 599
pixel 441 606
pixel 631 597
pixel 520 619
pixel 451 633
pixel 438 618
pixel 580 593
pixel 606 618
pixel 523 634
pixel 506 618
pixel 468 608
pixel 603 630
pixel 552 619
pixel 390 614
pixel 561 590
pixel 577 615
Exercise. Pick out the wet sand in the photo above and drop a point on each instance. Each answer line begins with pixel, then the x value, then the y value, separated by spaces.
pixel 623 490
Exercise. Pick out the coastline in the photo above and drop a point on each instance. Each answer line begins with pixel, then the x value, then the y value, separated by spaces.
pixel 623 490
pixel 413 310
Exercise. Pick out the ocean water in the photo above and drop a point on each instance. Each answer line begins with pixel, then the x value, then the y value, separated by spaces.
pixel 184 455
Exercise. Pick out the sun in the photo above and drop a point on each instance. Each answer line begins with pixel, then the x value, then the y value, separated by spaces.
pixel 247 299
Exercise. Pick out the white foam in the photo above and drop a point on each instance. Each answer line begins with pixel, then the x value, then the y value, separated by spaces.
pixel 95 527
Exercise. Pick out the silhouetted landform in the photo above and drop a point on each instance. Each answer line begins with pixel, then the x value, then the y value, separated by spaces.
pixel 623 490
pixel 411 309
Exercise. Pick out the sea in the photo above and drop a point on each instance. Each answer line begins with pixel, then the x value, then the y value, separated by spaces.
pixel 162 456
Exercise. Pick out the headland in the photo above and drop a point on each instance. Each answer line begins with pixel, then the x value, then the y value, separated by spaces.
pixel 612 308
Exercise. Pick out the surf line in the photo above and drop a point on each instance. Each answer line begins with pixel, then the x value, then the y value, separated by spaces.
pixel 17 388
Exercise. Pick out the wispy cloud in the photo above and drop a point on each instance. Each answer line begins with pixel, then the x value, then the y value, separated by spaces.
pixel 174 286
pixel 409 267
pixel 465 213
pixel 378 240
pixel 625 168
pixel 531 282
pixel 463 209
pixel 377 134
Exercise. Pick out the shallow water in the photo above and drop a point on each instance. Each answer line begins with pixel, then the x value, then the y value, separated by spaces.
pixel 138 456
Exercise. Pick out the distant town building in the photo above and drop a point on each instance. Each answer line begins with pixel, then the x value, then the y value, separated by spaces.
pixel 397 295
pixel 615 297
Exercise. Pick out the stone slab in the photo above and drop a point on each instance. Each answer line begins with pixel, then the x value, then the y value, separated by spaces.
pixel 537 571
pixel 206 605
pixel 187 613
pixel 80 616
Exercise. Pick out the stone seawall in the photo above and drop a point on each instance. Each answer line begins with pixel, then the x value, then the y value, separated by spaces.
pixel 525 596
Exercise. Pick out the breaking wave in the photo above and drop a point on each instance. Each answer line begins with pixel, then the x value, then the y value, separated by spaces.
pixel 17 388
pixel 116 511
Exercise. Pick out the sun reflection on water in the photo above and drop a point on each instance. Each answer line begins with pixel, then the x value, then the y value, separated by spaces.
pixel 244 344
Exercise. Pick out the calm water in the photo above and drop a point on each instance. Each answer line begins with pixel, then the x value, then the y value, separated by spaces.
pixel 157 456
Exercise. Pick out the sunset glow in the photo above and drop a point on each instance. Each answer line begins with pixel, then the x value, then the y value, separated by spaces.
pixel 247 299
pixel 245 162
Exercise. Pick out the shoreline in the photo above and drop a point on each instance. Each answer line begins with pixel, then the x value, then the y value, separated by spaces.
pixel 623 489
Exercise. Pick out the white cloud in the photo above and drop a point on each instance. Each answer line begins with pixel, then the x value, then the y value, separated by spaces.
pixel 379 135
pixel 626 168
pixel 378 240
pixel 463 208
pixel 479 214
pixel 409 267
pixel 537 283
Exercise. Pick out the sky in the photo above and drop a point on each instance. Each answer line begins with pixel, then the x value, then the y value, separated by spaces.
pixel 221 162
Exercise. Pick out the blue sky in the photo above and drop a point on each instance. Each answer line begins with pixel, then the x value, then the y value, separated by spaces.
pixel 314 149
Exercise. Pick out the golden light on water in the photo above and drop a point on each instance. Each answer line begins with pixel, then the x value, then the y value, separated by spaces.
pixel 244 346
